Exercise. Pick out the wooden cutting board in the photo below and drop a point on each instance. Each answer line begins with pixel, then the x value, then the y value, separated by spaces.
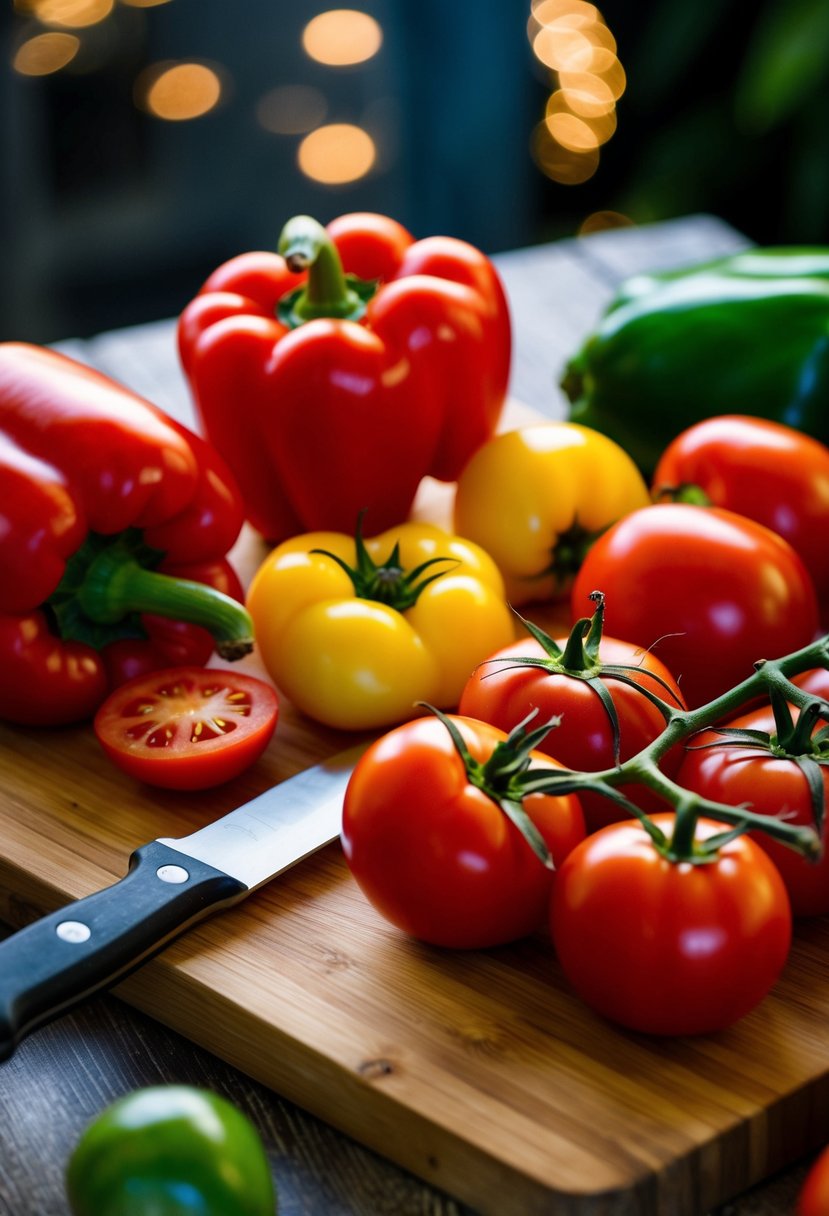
pixel 478 1071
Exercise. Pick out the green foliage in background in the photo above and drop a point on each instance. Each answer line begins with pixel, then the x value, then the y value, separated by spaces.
pixel 726 112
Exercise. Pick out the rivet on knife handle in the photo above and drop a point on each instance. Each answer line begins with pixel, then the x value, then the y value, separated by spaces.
pixel 65 956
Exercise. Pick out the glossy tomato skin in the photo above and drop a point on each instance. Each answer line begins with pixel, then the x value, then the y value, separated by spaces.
pixel 669 948
pixel 710 591
pixel 761 469
pixel 170 1150
pixel 770 785
pixel 187 728
pixel 435 855
pixel 813 1199
pixel 502 693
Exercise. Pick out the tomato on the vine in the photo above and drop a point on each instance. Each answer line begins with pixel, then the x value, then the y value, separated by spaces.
pixel 711 591
pixel 431 837
pixel 187 728
pixel 669 947
pixel 769 777
pixel 605 691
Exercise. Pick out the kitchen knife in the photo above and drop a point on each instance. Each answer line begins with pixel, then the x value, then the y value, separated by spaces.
pixel 58 960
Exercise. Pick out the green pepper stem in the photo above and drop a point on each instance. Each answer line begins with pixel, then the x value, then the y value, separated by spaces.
pixel 116 585
pixel 305 245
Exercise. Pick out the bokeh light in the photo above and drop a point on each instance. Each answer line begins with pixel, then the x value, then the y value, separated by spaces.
pixel 337 154
pixel 571 39
pixel 561 118
pixel 45 53
pixel 342 36
pixel 71 14
pixel 601 221
pixel 178 92
pixel 291 109
pixel 586 94
pixel 566 166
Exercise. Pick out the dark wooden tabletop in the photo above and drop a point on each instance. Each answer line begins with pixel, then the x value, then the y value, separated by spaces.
pixel 64 1074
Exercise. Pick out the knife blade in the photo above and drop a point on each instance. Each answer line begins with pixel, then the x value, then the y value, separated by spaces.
pixel 64 957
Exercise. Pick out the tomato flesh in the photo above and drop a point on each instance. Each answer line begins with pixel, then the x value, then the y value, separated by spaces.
pixel 187 728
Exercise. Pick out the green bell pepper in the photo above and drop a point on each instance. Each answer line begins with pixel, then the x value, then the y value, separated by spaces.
pixel 170 1150
pixel 746 334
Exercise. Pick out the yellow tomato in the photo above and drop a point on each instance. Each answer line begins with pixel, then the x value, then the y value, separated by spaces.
pixel 350 649
pixel 535 498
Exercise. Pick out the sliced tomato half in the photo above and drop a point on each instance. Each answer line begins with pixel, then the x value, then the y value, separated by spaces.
pixel 187 728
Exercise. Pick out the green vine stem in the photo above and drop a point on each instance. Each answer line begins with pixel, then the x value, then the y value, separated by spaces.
pixel 680 725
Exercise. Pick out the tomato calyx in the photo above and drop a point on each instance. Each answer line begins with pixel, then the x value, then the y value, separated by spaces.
pixel 388 582
pixel 506 776
pixel 580 660
pixel 771 677
pixel 794 739
pixel 568 553
pixel 685 491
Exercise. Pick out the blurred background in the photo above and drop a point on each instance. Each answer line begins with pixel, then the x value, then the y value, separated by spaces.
pixel 146 141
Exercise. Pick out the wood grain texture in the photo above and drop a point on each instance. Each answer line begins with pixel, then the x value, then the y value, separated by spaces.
pixel 479 1072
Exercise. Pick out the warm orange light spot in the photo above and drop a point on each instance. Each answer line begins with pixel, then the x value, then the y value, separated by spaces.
pixel 336 154
pixel 599 221
pixel 563 165
pixel 72 14
pixel 545 11
pixel 571 132
pixel 563 49
pixel 291 109
pixel 179 91
pixel 597 32
pixel 570 129
pixel 45 53
pixel 588 95
pixel 342 36
pixel 605 68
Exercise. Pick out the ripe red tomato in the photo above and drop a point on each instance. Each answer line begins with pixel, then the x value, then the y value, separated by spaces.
pixel 187 728
pixel 713 592
pixel 669 948
pixel 437 856
pixel 813 1199
pixel 769 784
pixel 503 693
pixel 764 470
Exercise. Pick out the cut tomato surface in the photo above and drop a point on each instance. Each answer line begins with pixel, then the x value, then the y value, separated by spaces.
pixel 187 728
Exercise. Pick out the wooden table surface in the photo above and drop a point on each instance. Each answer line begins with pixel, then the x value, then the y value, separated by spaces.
pixel 64 1074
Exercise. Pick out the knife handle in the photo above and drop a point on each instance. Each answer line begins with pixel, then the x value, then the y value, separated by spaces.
pixel 58 960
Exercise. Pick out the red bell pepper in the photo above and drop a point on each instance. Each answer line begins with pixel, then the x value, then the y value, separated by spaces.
pixel 114 525
pixel 332 393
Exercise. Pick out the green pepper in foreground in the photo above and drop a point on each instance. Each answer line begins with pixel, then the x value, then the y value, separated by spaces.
pixel 170 1150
